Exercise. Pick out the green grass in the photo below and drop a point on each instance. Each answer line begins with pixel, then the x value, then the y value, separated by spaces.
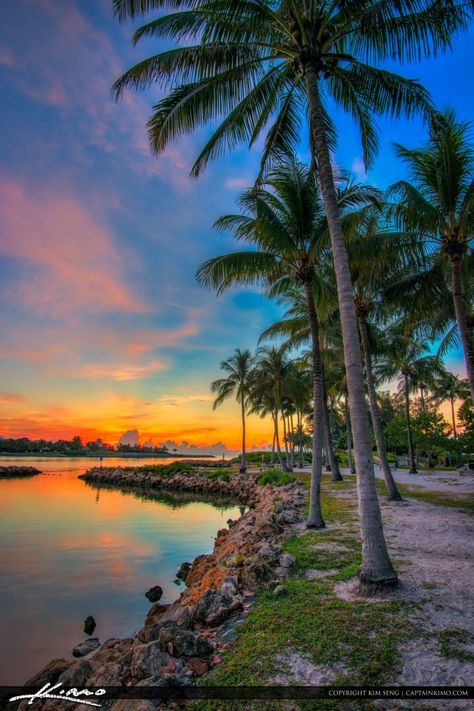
pixel 275 477
pixel 438 498
pixel 165 469
pixel 311 620
pixel 450 644
pixel 218 474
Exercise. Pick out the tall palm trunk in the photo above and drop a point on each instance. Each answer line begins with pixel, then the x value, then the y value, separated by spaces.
pixel 352 468
pixel 315 517
pixel 292 442
pixel 393 492
pixel 243 464
pixel 376 565
pixel 272 457
pixel 300 440
pixel 285 440
pixel 411 454
pixel 455 431
pixel 328 445
pixel 460 311
pixel 277 438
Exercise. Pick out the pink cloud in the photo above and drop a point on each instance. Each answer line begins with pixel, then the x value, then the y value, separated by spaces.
pixel 122 372
pixel 6 58
pixel 73 261
pixel 11 398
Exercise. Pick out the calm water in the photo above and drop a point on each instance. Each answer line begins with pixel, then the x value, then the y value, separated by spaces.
pixel 69 550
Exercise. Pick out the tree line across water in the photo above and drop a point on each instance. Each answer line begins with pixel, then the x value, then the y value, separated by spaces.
pixel 370 281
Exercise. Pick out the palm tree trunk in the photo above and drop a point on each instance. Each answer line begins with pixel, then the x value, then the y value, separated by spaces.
pixel 393 493
pixel 292 443
pixel 328 445
pixel 272 458
pixel 285 441
pixel 300 440
pixel 411 456
pixel 315 517
pixel 376 565
pixel 352 468
pixel 460 311
pixel 243 464
pixel 455 431
pixel 277 439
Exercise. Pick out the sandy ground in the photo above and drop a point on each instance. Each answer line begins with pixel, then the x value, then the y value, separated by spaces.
pixel 435 481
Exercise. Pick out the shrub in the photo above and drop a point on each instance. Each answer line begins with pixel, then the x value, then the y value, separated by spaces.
pixel 275 477
pixel 218 474
pixel 166 469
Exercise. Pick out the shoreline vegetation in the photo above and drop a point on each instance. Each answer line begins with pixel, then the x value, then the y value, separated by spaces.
pixel 226 627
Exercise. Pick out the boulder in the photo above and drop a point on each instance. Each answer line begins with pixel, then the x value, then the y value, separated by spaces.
pixel 183 643
pixel 89 625
pixel 215 606
pixel 154 594
pixel 50 673
pixel 86 647
pixel 77 674
pixel 147 660
pixel 287 560
pixel 183 571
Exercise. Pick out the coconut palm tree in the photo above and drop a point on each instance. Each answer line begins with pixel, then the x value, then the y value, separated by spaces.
pixel 439 206
pixel 239 369
pixel 259 67
pixel 448 386
pixel 284 220
pixel 408 360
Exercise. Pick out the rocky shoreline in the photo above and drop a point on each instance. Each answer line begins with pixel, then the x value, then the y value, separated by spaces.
pixel 181 641
pixel 14 471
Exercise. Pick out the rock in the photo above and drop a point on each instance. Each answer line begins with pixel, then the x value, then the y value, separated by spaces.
pixel 227 632
pixel 77 674
pixel 198 666
pixel 289 516
pixel 154 594
pixel 183 643
pixel 287 560
pixel 270 553
pixel 280 590
pixel 281 573
pixel 147 660
pixel 86 647
pixel 16 471
pixel 183 571
pixel 89 625
pixel 155 613
pixel 215 606
pixel 178 613
pixel 50 673
pixel 230 586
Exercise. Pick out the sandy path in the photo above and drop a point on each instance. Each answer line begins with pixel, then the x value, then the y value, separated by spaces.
pixel 434 549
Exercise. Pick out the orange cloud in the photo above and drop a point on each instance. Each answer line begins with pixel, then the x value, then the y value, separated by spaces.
pixel 74 262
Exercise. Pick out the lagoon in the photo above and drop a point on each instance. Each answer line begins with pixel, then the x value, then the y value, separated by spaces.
pixel 69 550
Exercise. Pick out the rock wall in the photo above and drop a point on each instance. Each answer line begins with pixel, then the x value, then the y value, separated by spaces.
pixel 17 471
pixel 182 641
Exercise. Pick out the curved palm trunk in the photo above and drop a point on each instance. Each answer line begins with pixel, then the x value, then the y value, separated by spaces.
pixel 376 565
pixel 243 463
pixel 315 517
pixel 411 454
pixel 272 457
pixel 393 492
pixel 352 468
pixel 292 442
pixel 460 311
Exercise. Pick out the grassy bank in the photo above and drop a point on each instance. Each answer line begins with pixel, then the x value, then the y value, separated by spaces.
pixel 308 625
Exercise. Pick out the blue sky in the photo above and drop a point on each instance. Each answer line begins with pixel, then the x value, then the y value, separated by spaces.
pixel 103 327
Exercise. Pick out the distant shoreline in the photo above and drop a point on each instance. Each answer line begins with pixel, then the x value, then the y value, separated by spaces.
pixel 108 455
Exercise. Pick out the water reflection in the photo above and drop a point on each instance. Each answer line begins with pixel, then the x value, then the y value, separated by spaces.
pixel 69 550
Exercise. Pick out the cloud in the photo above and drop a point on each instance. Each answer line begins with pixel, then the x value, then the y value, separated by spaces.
pixel 358 168
pixel 11 398
pixel 238 183
pixel 71 260
pixel 122 372
pixel 6 58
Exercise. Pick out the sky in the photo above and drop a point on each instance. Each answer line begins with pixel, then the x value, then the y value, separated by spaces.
pixel 103 328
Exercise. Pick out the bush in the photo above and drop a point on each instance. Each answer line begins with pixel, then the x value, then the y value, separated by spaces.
pixel 392 458
pixel 275 477
pixel 218 474
pixel 166 469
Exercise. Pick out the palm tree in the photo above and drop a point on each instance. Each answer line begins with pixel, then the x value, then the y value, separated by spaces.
pixel 256 64
pixel 269 385
pixel 407 360
pixel 284 219
pixel 439 206
pixel 448 386
pixel 237 383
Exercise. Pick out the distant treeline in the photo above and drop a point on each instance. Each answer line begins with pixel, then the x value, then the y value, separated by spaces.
pixel 75 446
